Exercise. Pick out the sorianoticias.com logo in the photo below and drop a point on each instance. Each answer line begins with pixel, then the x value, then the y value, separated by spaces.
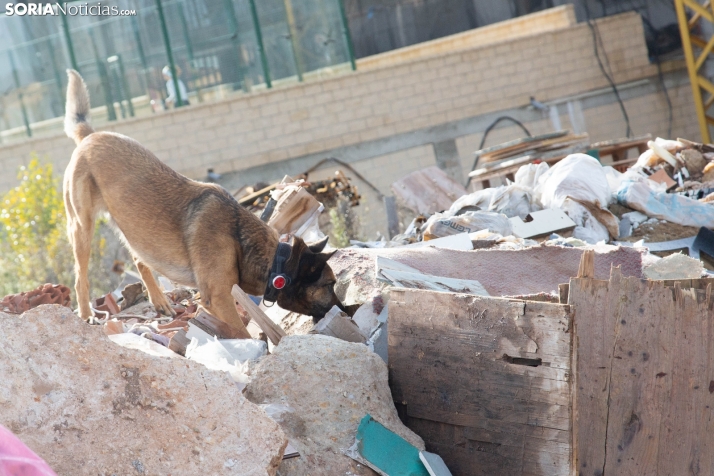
pixel 70 9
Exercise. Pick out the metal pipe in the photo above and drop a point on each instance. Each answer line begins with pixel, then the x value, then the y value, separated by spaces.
pixel 169 54
pixel 16 77
pixel 231 15
pixel 104 79
pixel 292 35
pixel 140 48
pixel 70 46
pixel 261 46
pixel 346 33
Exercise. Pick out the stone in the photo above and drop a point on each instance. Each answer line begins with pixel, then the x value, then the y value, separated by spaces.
pixel 90 407
pixel 674 266
pixel 330 385
pixel 693 160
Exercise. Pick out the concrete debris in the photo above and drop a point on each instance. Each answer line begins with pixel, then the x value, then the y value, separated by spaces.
pixel 45 294
pixel 331 385
pixel 337 323
pixel 675 266
pixel 88 406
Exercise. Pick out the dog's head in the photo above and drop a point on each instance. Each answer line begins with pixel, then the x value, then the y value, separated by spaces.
pixel 311 290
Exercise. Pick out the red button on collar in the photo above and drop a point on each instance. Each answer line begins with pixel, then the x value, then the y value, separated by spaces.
pixel 279 282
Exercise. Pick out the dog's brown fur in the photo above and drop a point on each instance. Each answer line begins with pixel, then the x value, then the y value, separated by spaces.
pixel 194 233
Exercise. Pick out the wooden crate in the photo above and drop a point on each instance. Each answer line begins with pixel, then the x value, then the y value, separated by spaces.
pixel 485 381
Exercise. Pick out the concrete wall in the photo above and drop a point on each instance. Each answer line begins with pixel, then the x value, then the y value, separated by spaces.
pixel 389 113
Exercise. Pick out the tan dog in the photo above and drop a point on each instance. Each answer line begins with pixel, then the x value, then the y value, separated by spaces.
pixel 194 233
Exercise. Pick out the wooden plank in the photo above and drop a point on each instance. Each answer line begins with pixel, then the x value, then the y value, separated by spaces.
pixel 486 381
pixel 643 397
pixel 273 331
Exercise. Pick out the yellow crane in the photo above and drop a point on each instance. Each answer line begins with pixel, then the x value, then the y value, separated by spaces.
pixel 696 52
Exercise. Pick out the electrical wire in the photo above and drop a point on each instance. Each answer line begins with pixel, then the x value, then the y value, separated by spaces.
pixel 485 135
pixel 596 40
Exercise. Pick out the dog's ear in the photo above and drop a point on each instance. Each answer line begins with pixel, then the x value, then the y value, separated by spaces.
pixel 318 246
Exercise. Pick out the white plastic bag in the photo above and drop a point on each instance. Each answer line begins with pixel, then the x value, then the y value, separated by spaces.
pixel 514 200
pixel 578 176
pixel 666 206
pixel 528 175
pixel 588 228
pixel 480 198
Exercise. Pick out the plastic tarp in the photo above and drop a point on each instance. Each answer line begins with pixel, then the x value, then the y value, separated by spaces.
pixel 666 206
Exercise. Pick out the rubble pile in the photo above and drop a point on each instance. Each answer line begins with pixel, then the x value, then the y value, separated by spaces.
pixel 313 397
pixel 87 406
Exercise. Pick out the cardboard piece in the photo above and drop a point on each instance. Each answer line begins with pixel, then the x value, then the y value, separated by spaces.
pixel 661 177
pixel 434 464
pixel 541 223
pixel 462 242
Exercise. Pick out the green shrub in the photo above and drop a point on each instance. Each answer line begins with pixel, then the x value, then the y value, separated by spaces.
pixel 34 248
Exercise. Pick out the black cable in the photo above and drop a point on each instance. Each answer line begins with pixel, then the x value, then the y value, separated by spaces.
pixel 656 52
pixel 596 38
pixel 485 134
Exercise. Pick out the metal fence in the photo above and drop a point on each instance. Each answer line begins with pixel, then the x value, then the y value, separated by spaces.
pixel 217 48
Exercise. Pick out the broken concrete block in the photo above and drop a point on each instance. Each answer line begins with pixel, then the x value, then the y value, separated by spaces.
pixel 540 223
pixel 89 407
pixel 675 266
pixel 331 385
pixel 338 324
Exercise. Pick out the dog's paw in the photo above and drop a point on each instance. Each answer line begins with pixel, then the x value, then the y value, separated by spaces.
pixel 164 308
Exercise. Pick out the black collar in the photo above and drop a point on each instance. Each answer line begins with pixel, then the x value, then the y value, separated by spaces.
pixel 277 274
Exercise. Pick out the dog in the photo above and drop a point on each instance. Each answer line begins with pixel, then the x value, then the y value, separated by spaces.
pixel 194 233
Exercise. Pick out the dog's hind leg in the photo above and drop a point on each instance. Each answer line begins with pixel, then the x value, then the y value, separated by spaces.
pixel 81 204
pixel 157 298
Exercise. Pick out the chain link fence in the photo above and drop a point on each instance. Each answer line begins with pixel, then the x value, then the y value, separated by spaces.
pixel 217 49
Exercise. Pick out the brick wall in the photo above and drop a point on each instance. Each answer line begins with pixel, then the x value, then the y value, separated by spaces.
pixel 308 118
pixel 546 20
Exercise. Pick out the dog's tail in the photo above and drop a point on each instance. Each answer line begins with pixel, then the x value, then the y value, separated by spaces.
pixel 77 108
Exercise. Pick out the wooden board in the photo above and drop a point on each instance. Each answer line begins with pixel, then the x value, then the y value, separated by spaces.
pixel 485 381
pixel 643 389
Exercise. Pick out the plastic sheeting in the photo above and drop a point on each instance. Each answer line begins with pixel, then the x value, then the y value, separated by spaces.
pixel 16 459
pixel 665 206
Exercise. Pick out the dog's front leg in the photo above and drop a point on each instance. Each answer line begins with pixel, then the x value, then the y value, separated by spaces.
pixel 157 298
pixel 219 302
